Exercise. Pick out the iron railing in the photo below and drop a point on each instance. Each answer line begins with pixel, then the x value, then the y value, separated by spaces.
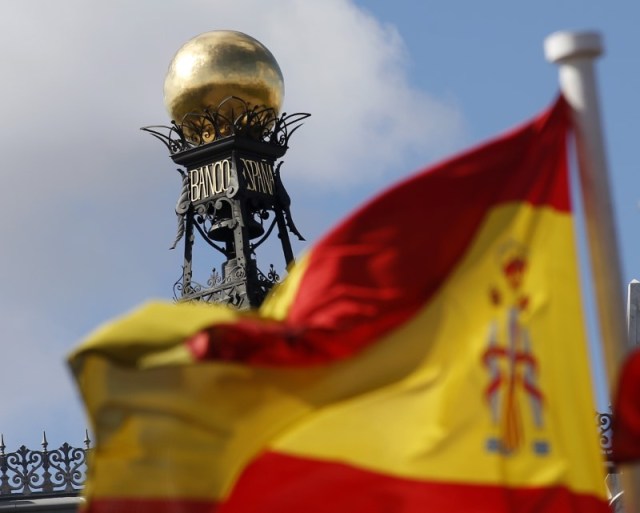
pixel 46 472
pixel 63 471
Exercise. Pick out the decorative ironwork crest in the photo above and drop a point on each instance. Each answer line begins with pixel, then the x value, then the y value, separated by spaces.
pixel 231 195
pixel 233 116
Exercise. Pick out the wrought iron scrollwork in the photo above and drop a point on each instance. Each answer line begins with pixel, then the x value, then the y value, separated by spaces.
pixel 272 277
pixel 45 472
pixel 267 232
pixel 266 282
pixel 232 117
pixel 182 207
pixel 228 288
pixel 604 422
pixel 284 202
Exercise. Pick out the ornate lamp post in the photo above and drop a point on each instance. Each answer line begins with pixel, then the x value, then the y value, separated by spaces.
pixel 224 92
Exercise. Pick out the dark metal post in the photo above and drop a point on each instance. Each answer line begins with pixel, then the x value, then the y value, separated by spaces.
pixel 233 196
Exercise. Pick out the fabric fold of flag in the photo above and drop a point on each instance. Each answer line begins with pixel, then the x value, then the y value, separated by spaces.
pixel 427 354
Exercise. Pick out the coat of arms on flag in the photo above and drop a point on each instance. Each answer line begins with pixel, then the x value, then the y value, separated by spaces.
pixel 511 361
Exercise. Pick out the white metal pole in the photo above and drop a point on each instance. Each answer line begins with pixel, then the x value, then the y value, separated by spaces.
pixel 633 313
pixel 575 52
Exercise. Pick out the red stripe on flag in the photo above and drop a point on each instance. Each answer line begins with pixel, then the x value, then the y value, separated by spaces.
pixel 385 262
pixel 626 412
pixel 277 483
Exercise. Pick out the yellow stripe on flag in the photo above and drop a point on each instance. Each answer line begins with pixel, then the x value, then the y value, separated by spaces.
pixel 433 422
pixel 413 405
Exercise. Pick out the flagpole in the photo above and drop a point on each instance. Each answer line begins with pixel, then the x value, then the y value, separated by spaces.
pixel 575 52
pixel 633 313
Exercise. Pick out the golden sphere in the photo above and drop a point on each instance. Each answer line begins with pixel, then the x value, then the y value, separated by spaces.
pixel 215 65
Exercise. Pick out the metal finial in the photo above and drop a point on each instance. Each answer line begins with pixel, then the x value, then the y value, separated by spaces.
pixel 44 443
pixel 2 446
pixel 215 65
pixel 87 440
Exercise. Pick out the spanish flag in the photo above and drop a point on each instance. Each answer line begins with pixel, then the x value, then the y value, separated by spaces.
pixel 427 355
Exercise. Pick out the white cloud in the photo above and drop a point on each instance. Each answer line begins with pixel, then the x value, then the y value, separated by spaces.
pixel 366 115
pixel 86 199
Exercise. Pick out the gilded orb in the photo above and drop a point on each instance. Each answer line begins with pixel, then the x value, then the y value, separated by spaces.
pixel 215 65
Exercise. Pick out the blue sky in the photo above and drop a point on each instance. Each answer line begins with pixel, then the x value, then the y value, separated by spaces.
pixel 86 210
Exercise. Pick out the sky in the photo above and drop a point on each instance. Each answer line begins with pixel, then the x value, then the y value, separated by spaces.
pixel 86 199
